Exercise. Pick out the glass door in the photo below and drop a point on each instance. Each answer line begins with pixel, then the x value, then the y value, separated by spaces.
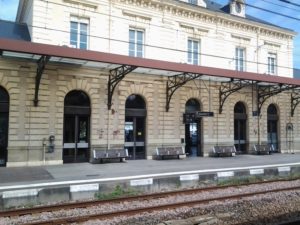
pixel 240 135
pixel 135 137
pixel 76 139
pixel 272 134
pixel 3 138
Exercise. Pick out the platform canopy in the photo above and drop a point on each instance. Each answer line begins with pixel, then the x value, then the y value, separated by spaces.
pixel 120 65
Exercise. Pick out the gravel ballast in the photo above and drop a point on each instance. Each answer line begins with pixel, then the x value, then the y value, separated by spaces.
pixel 271 208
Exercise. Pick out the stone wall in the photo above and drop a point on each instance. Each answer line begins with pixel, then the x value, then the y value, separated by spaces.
pixel 29 125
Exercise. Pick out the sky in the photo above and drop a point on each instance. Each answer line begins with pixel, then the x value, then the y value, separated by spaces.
pixel 8 10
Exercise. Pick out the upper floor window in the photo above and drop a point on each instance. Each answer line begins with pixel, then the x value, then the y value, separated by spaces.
pixel 240 56
pixel 79 32
pixel 272 63
pixel 194 2
pixel 193 52
pixel 136 43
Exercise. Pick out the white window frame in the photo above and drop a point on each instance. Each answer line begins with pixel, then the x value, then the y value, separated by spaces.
pixel 135 43
pixel 192 56
pixel 272 63
pixel 79 21
pixel 240 59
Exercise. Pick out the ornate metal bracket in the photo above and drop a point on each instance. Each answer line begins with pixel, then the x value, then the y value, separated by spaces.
pixel 41 64
pixel 265 92
pixel 228 88
pixel 175 82
pixel 295 100
pixel 115 76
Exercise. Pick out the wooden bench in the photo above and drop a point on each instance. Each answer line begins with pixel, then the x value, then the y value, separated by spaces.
pixel 120 154
pixel 224 150
pixel 263 149
pixel 163 152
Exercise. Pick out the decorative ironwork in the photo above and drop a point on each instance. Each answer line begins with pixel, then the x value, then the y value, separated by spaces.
pixel 115 76
pixel 175 82
pixel 265 92
pixel 295 100
pixel 228 88
pixel 41 64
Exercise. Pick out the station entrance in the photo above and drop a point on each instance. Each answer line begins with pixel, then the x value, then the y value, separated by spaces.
pixel 76 127
pixel 135 127
pixel 193 130
pixel 240 128
pixel 4 116
pixel 272 118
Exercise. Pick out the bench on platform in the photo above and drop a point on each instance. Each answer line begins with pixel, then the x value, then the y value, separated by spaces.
pixel 263 149
pixel 163 152
pixel 224 150
pixel 119 154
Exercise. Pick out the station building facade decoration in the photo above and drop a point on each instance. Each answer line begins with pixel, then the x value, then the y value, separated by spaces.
pixel 81 106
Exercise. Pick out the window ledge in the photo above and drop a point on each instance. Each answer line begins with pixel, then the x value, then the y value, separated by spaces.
pixel 89 3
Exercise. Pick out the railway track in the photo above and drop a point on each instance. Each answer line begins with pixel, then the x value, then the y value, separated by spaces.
pixel 137 210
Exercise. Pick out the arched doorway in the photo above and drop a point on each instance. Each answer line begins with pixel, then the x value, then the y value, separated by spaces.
pixel 272 126
pixel 193 130
pixel 240 127
pixel 4 111
pixel 76 140
pixel 135 126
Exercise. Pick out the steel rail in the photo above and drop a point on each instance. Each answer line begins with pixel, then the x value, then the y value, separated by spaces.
pixel 170 206
pixel 129 212
pixel 85 204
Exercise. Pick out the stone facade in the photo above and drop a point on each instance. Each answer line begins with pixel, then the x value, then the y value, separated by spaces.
pixel 166 24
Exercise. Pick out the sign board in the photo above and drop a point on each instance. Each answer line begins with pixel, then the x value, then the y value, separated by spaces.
pixel 256 171
pixel 188 118
pixel 204 114
pixel 141 182
pixel 225 174
pixel 189 177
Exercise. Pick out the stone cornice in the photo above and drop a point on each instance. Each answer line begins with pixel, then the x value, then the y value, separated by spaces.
pixel 212 17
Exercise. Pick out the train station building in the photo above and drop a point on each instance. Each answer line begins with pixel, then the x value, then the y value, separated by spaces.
pixel 78 75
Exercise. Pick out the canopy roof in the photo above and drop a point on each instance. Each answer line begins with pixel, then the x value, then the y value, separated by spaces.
pixel 60 54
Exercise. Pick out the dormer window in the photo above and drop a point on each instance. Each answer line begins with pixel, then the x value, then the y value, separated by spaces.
pixel 194 2
pixel 237 8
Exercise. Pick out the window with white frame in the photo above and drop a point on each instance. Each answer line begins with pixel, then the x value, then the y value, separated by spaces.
pixel 193 51
pixel 272 63
pixel 240 59
pixel 136 43
pixel 79 32
pixel 194 2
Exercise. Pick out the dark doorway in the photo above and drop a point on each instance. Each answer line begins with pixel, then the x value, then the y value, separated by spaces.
pixel 193 130
pixel 272 118
pixel 135 123
pixel 76 127
pixel 4 115
pixel 240 128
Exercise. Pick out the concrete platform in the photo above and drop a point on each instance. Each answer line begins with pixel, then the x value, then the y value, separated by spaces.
pixel 85 172
pixel 77 181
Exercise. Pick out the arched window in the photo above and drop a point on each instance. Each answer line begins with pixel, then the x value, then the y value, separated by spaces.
pixel 4 100
pixel 77 102
pixel 239 108
pixel 272 109
pixel 135 102
pixel 192 105
pixel 77 98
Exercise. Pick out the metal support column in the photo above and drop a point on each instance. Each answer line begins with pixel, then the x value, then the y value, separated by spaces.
pixel 175 82
pixel 295 100
pixel 228 88
pixel 41 64
pixel 115 76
